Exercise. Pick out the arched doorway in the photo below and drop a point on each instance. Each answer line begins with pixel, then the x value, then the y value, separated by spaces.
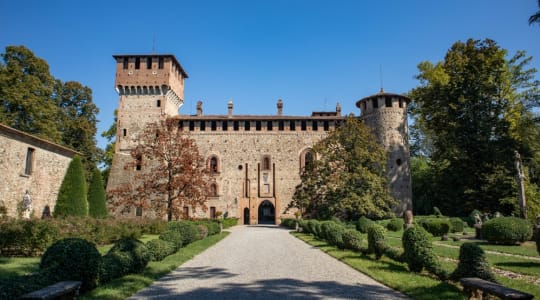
pixel 267 213
pixel 246 216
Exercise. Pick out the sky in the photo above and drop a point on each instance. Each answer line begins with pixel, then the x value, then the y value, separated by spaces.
pixel 310 53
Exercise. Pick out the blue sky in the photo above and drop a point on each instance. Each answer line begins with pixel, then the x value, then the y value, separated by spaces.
pixel 310 53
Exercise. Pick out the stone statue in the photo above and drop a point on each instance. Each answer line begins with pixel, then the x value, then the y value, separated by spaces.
pixel 407 219
pixel 27 205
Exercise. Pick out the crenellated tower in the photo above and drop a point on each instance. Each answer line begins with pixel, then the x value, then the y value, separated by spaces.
pixel 386 114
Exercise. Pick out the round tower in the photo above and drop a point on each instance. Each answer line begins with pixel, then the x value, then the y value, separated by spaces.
pixel 386 114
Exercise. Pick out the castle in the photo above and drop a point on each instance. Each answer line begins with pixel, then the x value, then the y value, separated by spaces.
pixel 255 160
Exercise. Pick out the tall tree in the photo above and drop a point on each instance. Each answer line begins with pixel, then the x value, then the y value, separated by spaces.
pixel 108 154
pixel 26 89
pixel 348 178
pixel 72 197
pixel 78 125
pixel 169 172
pixel 97 206
pixel 472 106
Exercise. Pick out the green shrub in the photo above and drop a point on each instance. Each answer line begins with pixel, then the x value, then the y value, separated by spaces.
pixel 470 219
pixel 97 207
pixel 418 252
pixel 437 227
pixel 304 225
pixel 127 256
pixel 213 228
pixel 289 223
pixel 395 224
pixel 352 240
pixel 456 225
pixel 73 259
pixel 188 231
pixel 26 237
pixel 334 233
pixel 203 231
pixel 173 237
pixel 362 224
pixel 229 222
pixel 507 230
pixel 14 288
pixel 472 263
pixel 314 227
pixel 393 253
pixel 72 199
pixel 159 249
pixel 376 240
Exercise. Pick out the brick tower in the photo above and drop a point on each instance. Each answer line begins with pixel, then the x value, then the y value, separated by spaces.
pixel 386 114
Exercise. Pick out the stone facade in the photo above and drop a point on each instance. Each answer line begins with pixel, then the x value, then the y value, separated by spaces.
pixel 255 161
pixel 29 163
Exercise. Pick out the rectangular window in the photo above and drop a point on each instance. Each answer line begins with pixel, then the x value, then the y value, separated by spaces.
pixel 212 212
pixel 400 103
pixel 375 103
pixel 138 163
pixel 138 211
pixel 213 126
pixel 258 125
pixel 292 125
pixel 185 211
pixel 315 125
pixel 281 126
pixel 269 125
pixel 125 63
pixel 137 63
pixel 326 126
pixel 303 125
pixel 160 63
pixel 191 125
pixel 149 63
pixel 225 125
pixel 29 166
pixel 158 103
pixel 203 125
pixel 235 126
pixel 180 125
pixel 388 101
pixel 124 132
pixel 247 125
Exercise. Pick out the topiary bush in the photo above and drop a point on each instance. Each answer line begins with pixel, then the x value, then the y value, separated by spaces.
pixel 456 225
pixel 72 198
pixel 289 223
pixel 418 252
pixel 472 263
pixel 159 249
pixel 376 240
pixel 507 230
pixel 72 259
pixel 188 231
pixel 334 233
pixel 362 224
pixel 395 224
pixel 203 231
pixel 352 240
pixel 97 207
pixel 437 227
pixel 173 237
pixel 127 256
pixel 230 222
pixel 213 228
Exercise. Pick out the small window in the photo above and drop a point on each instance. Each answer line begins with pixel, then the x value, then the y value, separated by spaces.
pixel 258 125
pixel 213 126
pixel 266 162
pixel 29 166
pixel 292 125
pixel 185 212
pixel 236 126
pixel 326 126
pixel 124 132
pixel 149 63
pixel 225 125
pixel 138 163
pixel 315 125
pixel 281 126
pixel 304 125
pixel 375 102
pixel 160 63
pixel 180 125
pixel 247 125
pixel 388 101
pixel 400 102
pixel 158 103
pixel 137 63
pixel 138 211
pixel 191 125
pixel 203 125
pixel 213 164
pixel 213 190
pixel 212 212
pixel 306 158
pixel 125 63
pixel 269 125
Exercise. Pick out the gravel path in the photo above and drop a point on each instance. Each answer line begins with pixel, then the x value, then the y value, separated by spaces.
pixel 265 262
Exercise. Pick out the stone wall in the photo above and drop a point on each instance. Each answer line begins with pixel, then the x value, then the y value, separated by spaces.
pixel 42 181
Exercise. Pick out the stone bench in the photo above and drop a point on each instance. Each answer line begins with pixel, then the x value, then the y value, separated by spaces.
pixel 477 287
pixel 62 290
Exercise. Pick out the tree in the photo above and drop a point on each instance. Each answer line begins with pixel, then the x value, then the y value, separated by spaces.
pixel 108 154
pixel 472 107
pixel 348 178
pixel 169 173
pixel 72 199
pixel 536 17
pixel 97 207
pixel 26 89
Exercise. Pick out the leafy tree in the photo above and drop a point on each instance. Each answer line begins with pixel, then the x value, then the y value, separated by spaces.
pixel 97 207
pixel 72 199
pixel 536 17
pixel 26 89
pixel 422 177
pixel 472 107
pixel 108 154
pixel 348 177
pixel 169 172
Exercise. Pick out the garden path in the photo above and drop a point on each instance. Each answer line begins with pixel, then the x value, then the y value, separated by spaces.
pixel 265 262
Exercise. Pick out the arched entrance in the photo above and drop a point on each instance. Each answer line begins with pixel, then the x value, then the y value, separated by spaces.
pixel 267 213
pixel 246 216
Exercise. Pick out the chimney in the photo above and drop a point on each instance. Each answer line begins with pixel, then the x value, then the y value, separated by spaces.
pixel 199 108
pixel 338 109
pixel 230 107
pixel 279 107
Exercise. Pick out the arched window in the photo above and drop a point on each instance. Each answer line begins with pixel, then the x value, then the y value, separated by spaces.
pixel 306 158
pixel 266 162
pixel 213 189
pixel 213 164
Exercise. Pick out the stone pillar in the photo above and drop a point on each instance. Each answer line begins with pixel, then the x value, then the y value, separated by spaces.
pixel 279 107
pixel 230 108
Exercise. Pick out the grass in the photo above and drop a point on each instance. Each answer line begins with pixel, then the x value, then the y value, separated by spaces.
pixel 393 274
pixel 17 266
pixel 126 286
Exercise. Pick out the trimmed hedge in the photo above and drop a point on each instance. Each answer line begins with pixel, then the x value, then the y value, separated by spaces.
pixel 127 256
pixel 97 206
pixel 229 222
pixel 456 225
pixel 289 223
pixel 72 198
pixel 507 230
pixel 72 259
pixel 418 252
pixel 203 231
pixel 363 224
pixel 334 233
pixel 376 240
pixel 158 249
pixel 437 227
pixel 173 237
pixel 395 224
pixel 472 263
pixel 188 231
pixel 352 240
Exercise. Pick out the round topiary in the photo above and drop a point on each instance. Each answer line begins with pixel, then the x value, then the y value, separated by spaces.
pixel 437 227
pixel 456 225
pixel 203 231
pixel 472 263
pixel 334 234
pixel 72 259
pixel 173 237
pixel 395 224
pixel 418 252
pixel 507 230
pixel 352 240
pixel 159 249
pixel 187 229
pixel 362 224
pixel 136 250
pixel 376 240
